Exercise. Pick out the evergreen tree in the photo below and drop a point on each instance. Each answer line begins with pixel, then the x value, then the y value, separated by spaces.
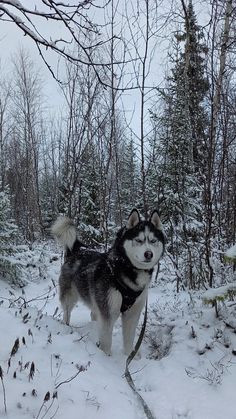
pixel 192 69
pixel 129 178
pixel 179 151
pixel 9 263
pixel 88 215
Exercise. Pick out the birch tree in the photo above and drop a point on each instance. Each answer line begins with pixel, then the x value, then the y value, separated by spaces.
pixel 222 15
pixel 5 92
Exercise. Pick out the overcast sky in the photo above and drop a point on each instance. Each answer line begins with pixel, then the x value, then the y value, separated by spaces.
pixel 12 39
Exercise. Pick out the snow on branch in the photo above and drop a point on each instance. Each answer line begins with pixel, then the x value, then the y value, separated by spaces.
pixel 219 294
pixel 231 253
pixel 77 28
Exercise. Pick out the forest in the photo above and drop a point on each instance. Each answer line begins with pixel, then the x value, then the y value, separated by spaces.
pixel 96 159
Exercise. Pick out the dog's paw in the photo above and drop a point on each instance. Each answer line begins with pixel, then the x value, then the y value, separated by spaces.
pixel 105 350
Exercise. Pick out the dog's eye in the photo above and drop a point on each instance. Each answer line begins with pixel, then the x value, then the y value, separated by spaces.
pixel 139 241
pixel 153 241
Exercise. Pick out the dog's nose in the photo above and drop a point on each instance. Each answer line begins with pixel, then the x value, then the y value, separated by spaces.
pixel 148 254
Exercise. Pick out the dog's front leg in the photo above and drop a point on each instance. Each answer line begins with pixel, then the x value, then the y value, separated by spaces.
pixel 105 335
pixel 107 319
pixel 130 320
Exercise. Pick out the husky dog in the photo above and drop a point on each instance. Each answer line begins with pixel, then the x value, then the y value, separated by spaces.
pixel 111 283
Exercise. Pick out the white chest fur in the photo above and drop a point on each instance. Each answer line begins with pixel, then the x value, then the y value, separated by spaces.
pixel 143 278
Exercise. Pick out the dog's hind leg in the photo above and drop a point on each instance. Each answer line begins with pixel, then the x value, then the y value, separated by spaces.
pixel 68 298
pixel 67 309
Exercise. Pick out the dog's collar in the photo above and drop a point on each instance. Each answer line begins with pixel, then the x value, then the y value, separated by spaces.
pixel 128 263
pixel 149 271
pixel 127 288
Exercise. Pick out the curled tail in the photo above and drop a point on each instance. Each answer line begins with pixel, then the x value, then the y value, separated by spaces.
pixel 65 232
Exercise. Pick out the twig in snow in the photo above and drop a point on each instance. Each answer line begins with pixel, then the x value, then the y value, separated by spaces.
pixel 46 399
pixel 13 352
pixel 68 380
pixel 46 296
pixel 4 390
pixel 32 371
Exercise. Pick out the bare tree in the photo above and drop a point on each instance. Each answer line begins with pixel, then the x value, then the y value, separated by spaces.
pixel 222 16
pixel 52 154
pixel 40 21
pixel 23 173
pixel 81 95
pixel 5 91
pixel 145 20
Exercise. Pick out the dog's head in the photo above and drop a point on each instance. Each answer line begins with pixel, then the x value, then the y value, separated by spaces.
pixel 143 241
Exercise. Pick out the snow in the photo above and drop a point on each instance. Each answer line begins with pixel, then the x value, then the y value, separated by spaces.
pixel 231 252
pixel 217 293
pixel 187 369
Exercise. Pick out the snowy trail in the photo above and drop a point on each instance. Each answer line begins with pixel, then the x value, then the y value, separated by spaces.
pixel 193 375
pixel 58 352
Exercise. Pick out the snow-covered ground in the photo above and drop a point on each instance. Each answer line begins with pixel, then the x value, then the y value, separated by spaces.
pixel 187 369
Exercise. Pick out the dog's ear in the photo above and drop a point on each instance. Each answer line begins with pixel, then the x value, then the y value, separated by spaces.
pixel 155 220
pixel 134 219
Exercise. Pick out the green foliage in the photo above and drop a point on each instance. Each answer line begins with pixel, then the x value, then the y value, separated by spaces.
pixel 230 255
pixel 178 159
pixel 129 179
pixel 9 266
pixel 220 294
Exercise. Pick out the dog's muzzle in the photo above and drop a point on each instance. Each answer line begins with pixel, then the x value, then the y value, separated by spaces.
pixel 148 255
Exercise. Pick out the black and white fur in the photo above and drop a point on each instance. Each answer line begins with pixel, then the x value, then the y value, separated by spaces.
pixel 111 283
